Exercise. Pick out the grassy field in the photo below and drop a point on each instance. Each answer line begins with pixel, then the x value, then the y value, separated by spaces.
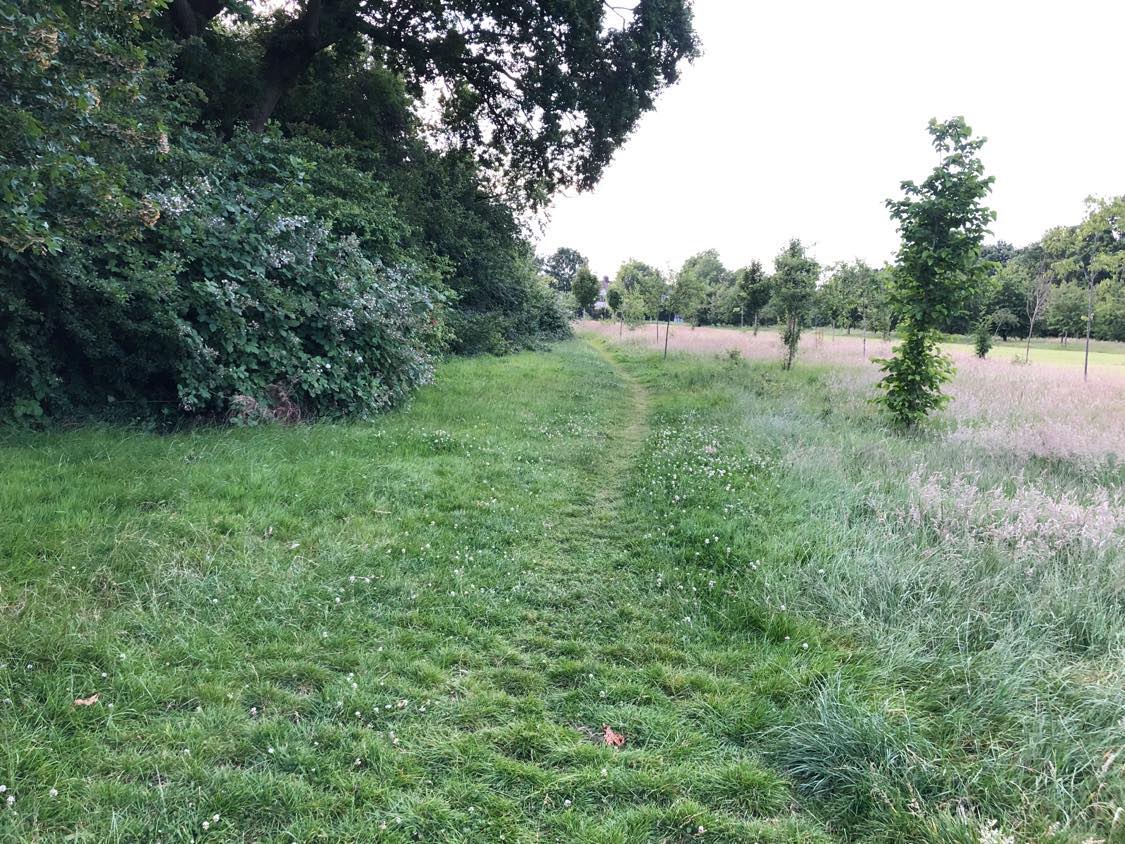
pixel 805 628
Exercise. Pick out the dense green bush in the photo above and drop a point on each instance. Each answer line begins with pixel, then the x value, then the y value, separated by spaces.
pixel 541 316
pixel 153 264
pixel 230 292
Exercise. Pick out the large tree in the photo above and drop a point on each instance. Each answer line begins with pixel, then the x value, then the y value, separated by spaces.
pixel 543 92
pixel 703 280
pixel 562 266
pixel 942 223
pixel 585 289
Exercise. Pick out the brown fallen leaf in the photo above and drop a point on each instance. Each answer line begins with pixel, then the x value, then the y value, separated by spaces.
pixel 613 739
pixel 87 701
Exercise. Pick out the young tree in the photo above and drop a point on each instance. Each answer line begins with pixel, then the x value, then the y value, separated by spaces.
pixel 753 291
pixel 794 285
pixel 585 289
pixel 615 300
pixel 1038 294
pixel 563 266
pixel 982 337
pixel 942 222
pixel 633 309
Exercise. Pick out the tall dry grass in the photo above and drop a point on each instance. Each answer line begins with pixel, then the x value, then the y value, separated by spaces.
pixel 981 561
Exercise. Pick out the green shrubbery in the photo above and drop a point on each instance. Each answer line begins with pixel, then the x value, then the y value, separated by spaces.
pixel 240 285
pixel 159 258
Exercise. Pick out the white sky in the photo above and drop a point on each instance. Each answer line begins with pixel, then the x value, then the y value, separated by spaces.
pixel 803 116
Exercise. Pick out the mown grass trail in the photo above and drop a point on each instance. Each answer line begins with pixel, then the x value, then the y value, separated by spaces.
pixel 407 630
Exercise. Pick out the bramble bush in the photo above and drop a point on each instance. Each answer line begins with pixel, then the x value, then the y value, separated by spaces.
pixel 230 292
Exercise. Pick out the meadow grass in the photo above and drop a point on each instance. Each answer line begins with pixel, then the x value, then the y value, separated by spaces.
pixel 984 583
pixel 805 627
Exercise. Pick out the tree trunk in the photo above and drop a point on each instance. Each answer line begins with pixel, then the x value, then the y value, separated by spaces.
pixel 291 49
pixel 1089 323
pixel 667 326
pixel 755 323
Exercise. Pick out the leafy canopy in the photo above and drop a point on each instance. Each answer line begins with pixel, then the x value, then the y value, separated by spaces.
pixel 542 93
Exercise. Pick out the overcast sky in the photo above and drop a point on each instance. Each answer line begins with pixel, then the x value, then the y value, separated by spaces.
pixel 801 118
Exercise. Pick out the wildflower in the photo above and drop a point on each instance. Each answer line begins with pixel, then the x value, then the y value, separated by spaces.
pixel 54 792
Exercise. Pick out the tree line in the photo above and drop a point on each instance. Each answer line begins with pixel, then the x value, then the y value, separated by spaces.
pixel 1072 276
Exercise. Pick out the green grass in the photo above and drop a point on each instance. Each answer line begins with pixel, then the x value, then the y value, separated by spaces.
pixel 408 630
pixel 416 629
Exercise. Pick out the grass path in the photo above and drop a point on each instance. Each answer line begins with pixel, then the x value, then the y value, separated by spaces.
pixel 413 629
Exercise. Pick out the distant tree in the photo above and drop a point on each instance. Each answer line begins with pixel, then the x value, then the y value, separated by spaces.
pixel 882 312
pixel 688 297
pixel 702 280
pixel 794 285
pixel 942 223
pixel 869 295
pixel 849 295
pixel 585 289
pixel 753 287
pixel 1109 309
pixel 1000 252
pixel 1099 252
pixel 646 281
pixel 832 302
pixel 1005 322
pixel 726 305
pixel 563 266
pixel 1066 310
